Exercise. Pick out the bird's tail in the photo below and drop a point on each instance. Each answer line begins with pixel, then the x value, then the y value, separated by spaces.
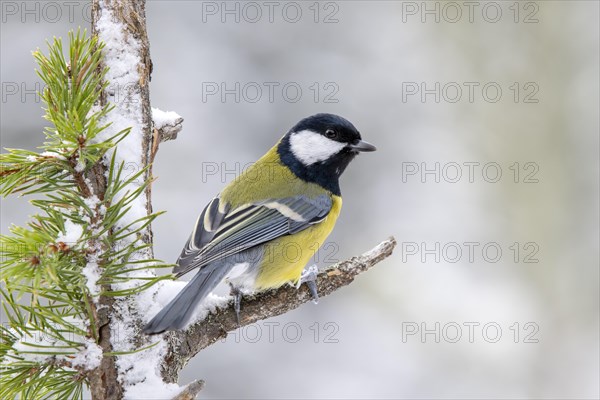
pixel 177 313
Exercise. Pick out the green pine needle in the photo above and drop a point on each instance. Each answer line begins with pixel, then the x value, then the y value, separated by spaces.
pixel 50 307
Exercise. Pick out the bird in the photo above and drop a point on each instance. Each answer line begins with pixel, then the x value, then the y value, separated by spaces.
pixel 269 221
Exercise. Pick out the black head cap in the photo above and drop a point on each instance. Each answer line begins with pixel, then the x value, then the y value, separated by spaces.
pixel 319 148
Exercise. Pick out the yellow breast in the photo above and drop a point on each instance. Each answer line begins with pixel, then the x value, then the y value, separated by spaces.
pixel 285 257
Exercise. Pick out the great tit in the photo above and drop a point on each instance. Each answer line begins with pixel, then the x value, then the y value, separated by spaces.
pixel 268 222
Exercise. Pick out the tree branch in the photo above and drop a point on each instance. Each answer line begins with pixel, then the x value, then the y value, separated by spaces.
pixel 131 99
pixel 169 131
pixel 190 391
pixel 183 345
pixel 165 133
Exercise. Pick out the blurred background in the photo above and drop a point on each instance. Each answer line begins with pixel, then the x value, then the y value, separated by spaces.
pixel 486 120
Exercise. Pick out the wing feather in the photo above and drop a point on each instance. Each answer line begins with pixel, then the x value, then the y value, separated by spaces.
pixel 221 232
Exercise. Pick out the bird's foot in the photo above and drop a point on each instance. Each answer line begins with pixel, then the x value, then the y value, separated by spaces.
pixel 237 301
pixel 309 276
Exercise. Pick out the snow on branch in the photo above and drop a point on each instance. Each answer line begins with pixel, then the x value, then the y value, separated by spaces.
pixel 183 345
pixel 167 123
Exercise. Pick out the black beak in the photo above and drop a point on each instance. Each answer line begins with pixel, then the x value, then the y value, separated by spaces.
pixel 363 146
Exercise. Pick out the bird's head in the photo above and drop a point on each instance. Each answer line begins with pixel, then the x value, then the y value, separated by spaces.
pixel 320 147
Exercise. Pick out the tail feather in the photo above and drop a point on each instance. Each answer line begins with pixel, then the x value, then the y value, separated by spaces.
pixel 178 312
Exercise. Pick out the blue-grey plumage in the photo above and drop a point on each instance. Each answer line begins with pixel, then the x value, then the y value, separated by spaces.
pixel 179 311
pixel 290 196
pixel 247 226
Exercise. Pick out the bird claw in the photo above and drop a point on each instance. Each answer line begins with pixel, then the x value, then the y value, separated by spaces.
pixel 309 276
pixel 237 301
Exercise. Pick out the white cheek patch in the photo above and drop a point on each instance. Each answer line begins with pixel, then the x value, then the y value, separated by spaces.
pixel 310 147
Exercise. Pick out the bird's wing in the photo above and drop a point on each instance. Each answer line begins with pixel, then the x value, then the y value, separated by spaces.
pixel 221 232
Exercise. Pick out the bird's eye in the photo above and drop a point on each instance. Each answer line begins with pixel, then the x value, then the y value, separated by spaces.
pixel 330 133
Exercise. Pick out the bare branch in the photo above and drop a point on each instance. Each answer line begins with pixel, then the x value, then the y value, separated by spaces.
pixel 169 132
pixel 190 391
pixel 165 133
pixel 183 345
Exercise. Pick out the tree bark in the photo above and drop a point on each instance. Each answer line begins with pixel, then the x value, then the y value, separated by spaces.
pixel 104 382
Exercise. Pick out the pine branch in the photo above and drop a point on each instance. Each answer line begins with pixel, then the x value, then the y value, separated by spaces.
pixel 71 292
pixel 183 345
pixel 37 262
